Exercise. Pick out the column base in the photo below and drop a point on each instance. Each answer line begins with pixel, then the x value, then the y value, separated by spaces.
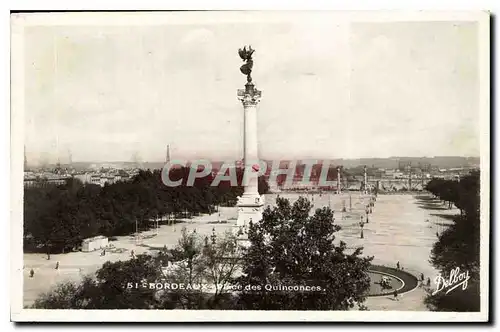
pixel 250 207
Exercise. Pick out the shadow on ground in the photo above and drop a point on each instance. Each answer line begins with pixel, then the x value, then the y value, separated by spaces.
pixel 444 216
pixel 426 198
pixel 427 206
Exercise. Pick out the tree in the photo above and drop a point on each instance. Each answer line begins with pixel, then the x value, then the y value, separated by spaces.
pixel 459 245
pixel 118 285
pixel 458 300
pixel 61 297
pixel 291 248
pixel 58 218
pixel 207 268
pixel 190 248
pixel 138 283
pixel 221 257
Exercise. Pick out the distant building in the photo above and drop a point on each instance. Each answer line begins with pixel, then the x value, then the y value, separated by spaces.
pixel 32 179
pixel 107 180
pixel 95 179
pixel 94 243
pixel 85 177
pixel 101 179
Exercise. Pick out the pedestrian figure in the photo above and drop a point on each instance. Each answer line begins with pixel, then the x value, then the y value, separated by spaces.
pixel 165 249
pixel 32 273
pixel 397 265
pixel 132 254
pixel 428 282
pixel 422 277
pixel 396 295
pixel 57 266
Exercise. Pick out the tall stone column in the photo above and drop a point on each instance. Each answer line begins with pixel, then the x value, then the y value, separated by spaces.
pixel 250 205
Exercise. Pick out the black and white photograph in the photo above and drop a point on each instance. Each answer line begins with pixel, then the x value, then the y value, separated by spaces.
pixel 250 166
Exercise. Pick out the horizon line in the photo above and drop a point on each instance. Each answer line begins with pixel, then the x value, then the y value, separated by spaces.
pixel 264 159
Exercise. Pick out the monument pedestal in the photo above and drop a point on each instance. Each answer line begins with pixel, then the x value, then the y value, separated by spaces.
pixel 250 208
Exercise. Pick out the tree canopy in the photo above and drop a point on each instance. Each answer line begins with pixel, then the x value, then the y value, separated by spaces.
pixel 459 245
pixel 59 217
pixel 290 247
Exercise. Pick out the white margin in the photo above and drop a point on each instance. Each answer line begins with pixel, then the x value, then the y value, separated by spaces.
pixel 17 135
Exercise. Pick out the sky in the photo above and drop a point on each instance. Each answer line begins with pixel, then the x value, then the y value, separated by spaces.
pixel 330 89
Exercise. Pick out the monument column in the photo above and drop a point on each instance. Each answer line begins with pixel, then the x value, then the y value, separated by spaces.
pixel 250 97
pixel 250 204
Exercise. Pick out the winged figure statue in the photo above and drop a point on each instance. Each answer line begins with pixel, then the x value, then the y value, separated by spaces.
pixel 246 55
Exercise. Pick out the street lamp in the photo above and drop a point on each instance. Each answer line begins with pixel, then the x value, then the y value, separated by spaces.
pixel 49 246
pixel 361 224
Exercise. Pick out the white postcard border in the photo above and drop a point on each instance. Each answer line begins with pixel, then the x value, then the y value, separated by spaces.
pixel 17 134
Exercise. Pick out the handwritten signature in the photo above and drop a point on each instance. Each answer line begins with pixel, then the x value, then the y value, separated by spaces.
pixel 456 279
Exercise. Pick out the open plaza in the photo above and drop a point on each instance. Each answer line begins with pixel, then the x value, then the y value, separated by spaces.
pixel 401 229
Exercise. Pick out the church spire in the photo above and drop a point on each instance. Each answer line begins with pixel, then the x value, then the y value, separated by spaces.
pixel 167 159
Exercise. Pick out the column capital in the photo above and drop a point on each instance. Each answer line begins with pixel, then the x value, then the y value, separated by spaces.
pixel 249 100
pixel 249 96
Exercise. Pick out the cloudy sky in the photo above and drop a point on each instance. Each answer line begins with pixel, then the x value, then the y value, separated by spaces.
pixel 331 89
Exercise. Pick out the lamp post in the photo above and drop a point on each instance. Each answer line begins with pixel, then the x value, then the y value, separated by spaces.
pixel 361 224
pixel 365 189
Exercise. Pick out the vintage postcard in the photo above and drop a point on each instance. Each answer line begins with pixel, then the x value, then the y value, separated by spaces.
pixel 250 166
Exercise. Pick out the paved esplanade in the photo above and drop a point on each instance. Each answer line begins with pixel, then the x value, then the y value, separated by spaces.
pixel 397 231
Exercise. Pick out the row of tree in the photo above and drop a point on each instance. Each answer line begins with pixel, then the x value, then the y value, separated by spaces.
pixel 459 245
pixel 57 218
pixel 292 263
